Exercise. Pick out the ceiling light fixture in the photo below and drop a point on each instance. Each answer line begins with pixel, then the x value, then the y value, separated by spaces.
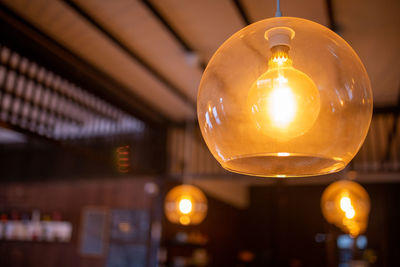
pixel 346 204
pixel 185 205
pixel 284 97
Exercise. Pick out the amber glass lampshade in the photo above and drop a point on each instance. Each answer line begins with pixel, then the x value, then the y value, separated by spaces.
pixel 284 97
pixel 186 205
pixel 346 204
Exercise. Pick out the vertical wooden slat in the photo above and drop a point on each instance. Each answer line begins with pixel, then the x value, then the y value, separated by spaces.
pixel 381 141
pixel 396 147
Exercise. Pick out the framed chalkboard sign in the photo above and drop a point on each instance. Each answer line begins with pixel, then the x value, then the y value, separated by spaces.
pixel 94 231
pixel 130 231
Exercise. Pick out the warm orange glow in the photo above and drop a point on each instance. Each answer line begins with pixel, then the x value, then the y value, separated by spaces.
pixel 280 60
pixel 122 159
pixel 283 102
pixel 186 205
pixel 282 106
pixel 352 227
pixel 184 220
pixel 350 213
pixel 346 204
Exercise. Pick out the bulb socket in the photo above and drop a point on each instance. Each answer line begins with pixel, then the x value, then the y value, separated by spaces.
pixel 279 36
pixel 280 49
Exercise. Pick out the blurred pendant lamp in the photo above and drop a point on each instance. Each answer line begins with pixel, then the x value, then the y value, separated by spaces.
pixel 284 97
pixel 186 204
pixel 346 204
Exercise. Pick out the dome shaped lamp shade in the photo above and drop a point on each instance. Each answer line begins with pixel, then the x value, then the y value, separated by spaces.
pixel 284 97
pixel 185 205
pixel 346 204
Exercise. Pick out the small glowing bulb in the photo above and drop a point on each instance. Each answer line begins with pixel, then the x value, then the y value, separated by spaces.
pixel 345 203
pixel 350 213
pixel 185 206
pixel 347 207
pixel 282 106
pixel 284 102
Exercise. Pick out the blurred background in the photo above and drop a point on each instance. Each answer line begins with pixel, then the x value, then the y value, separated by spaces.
pixel 98 123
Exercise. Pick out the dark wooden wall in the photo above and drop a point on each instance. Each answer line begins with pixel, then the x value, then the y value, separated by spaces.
pixel 280 228
pixel 282 221
pixel 69 198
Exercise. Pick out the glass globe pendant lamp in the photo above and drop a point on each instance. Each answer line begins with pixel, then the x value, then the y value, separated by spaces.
pixel 346 204
pixel 185 205
pixel 284 97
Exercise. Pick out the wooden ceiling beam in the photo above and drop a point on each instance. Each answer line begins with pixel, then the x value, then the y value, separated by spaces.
pixel 134 56
pixel 239 6
pixel 185 45
pixel 23 36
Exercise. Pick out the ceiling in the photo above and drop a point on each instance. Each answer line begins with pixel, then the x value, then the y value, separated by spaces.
pixel 158 48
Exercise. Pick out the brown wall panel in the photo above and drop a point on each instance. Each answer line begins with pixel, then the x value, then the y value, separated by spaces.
pixel 68 198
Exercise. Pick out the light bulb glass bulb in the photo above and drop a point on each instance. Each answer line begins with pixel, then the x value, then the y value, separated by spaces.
pixel 346 206
pixel 345 203
pixel 185 206
pixel 282 106
pixel 350 213
pixel 284 102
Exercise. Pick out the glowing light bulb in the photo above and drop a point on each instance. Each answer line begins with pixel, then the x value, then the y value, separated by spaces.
pixel 284 102
pixel 346 206
pixel 185 206
pixel 345 203
pixel 350 213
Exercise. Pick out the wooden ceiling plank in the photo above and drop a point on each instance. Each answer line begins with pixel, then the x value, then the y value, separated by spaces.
pixel 134 56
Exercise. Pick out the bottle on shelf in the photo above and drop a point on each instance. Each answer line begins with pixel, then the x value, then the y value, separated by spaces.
pixel 35 227
pixel 3 222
